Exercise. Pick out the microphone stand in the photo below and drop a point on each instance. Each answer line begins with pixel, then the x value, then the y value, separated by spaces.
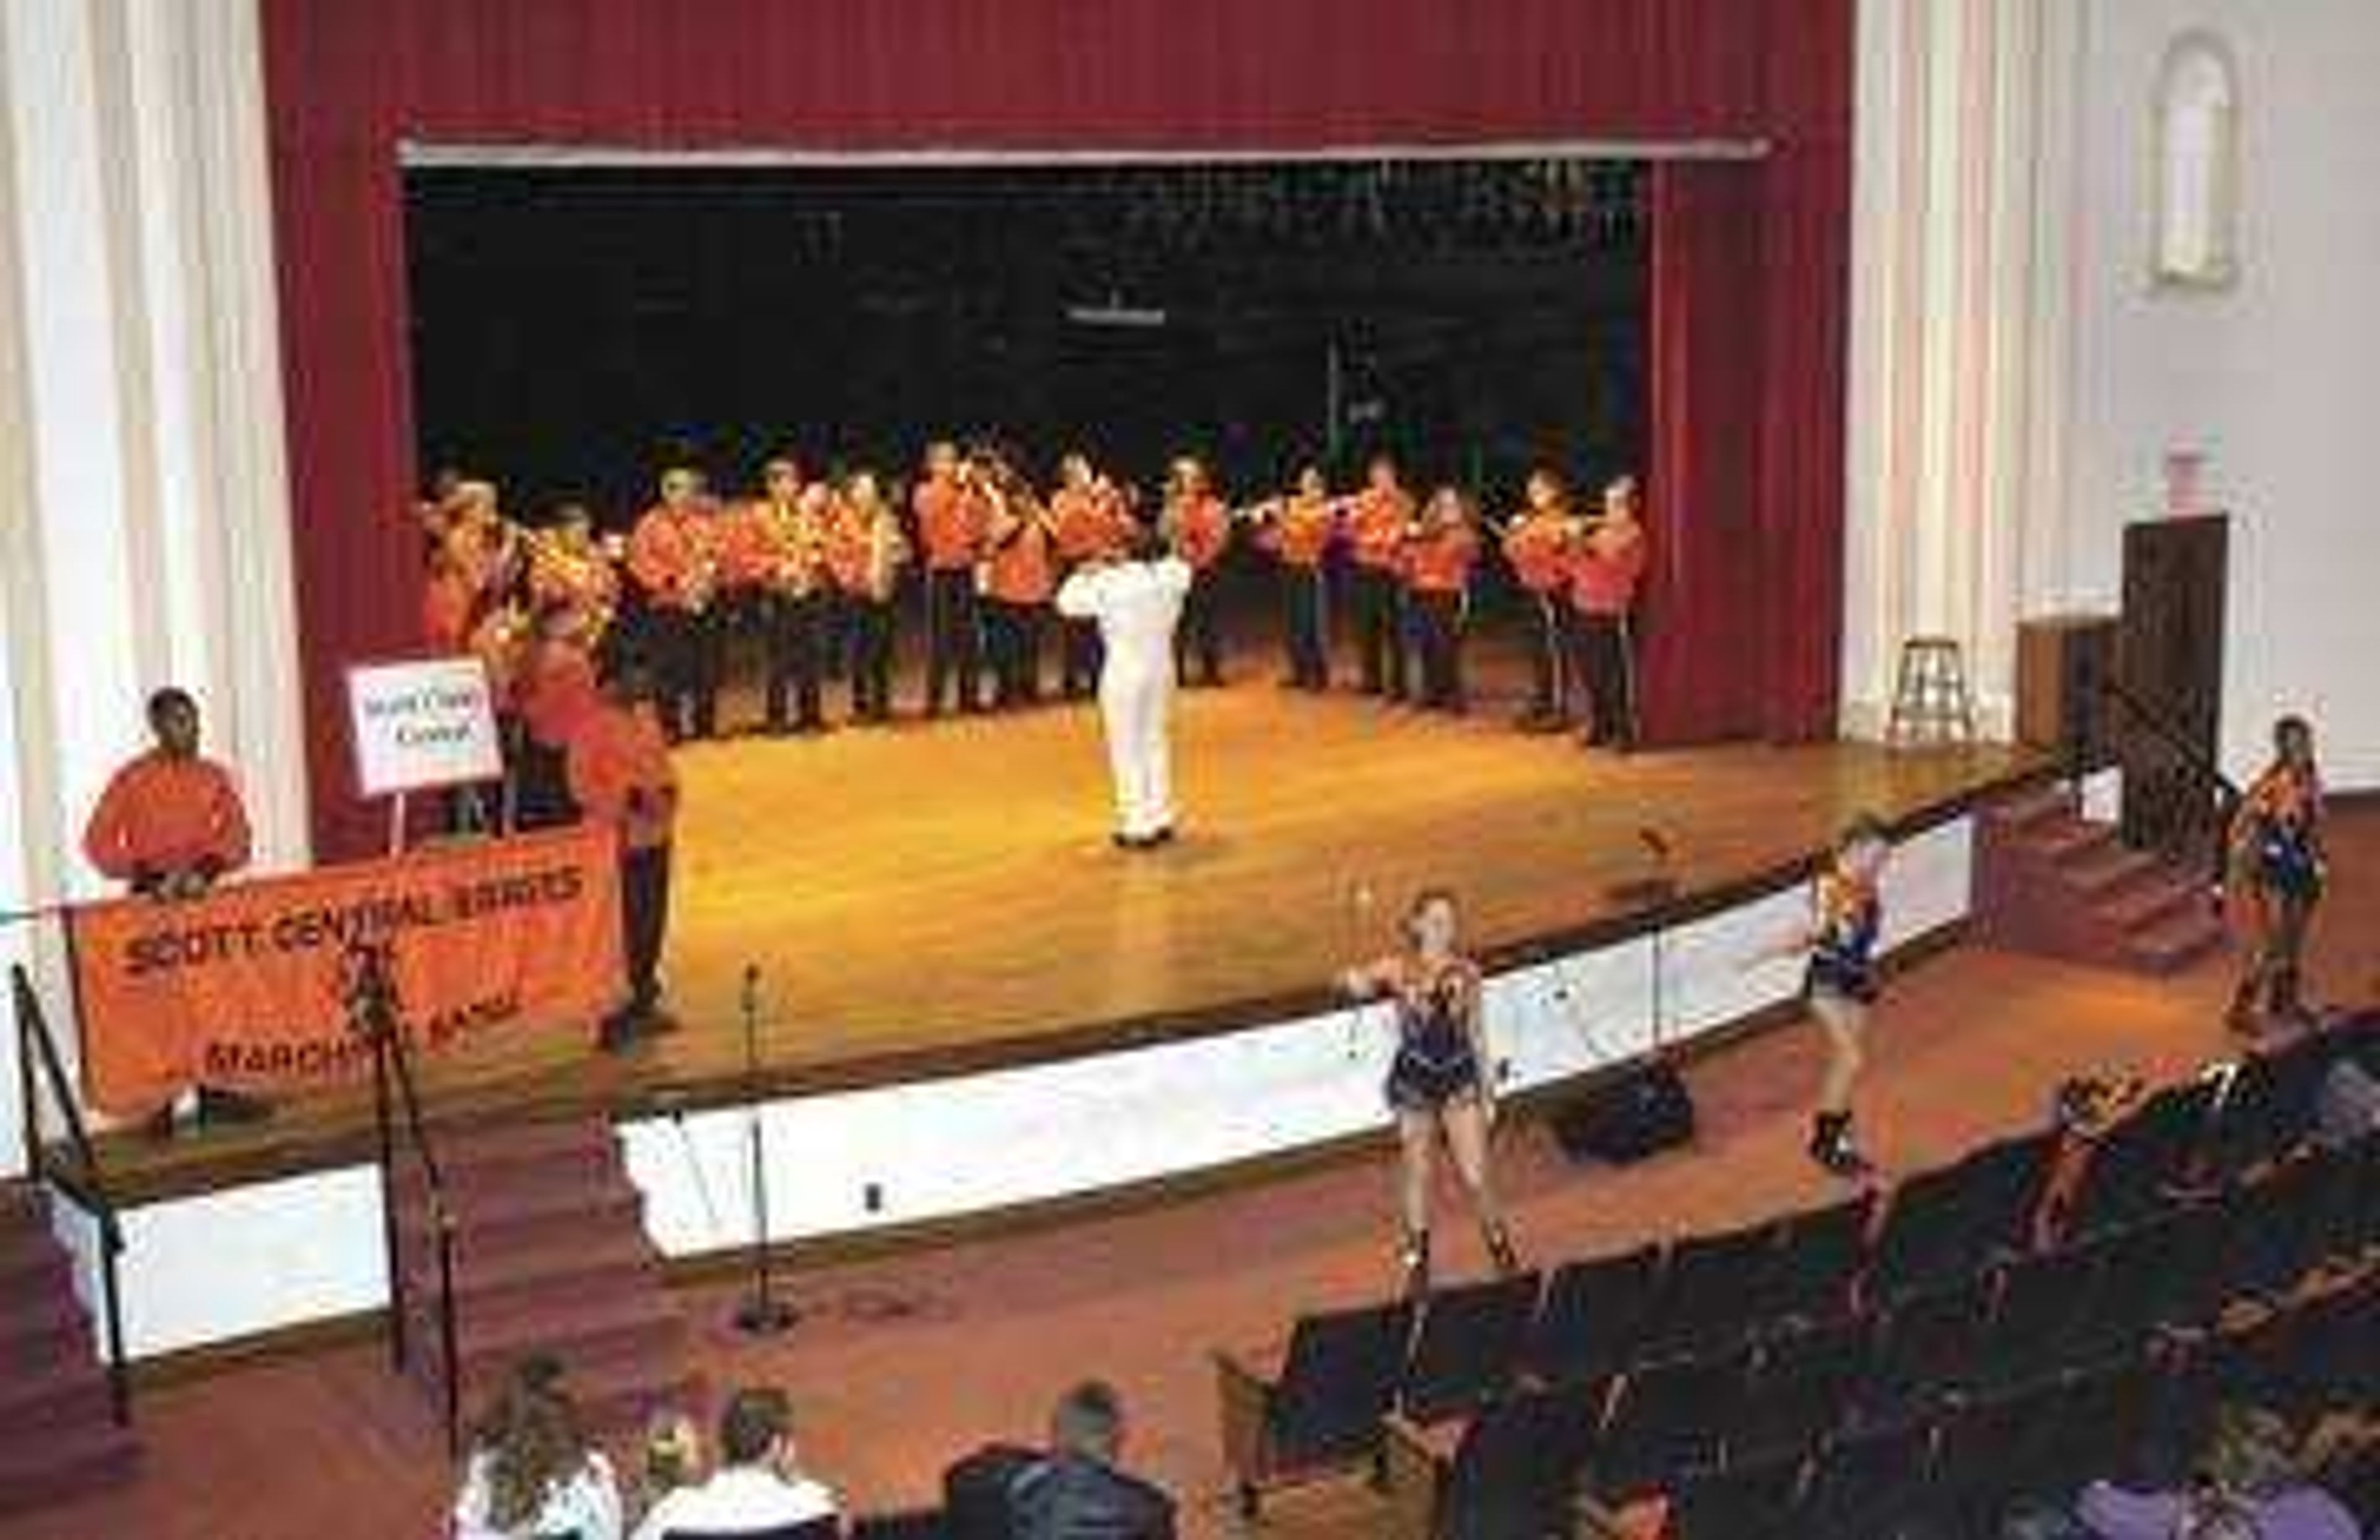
pixel 1649 892
pixel 762 1313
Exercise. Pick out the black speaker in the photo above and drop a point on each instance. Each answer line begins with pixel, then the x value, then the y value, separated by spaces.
pixel 1642 1113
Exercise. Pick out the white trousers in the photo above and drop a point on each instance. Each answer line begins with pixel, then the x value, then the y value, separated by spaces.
pixel 1138 710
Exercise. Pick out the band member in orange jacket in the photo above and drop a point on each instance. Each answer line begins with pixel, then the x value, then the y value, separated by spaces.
pixel 1298 531
pixel 570 566
pixel 776 548
pixel 674 554
pixel 1019 579
pixel 867 554
pixel 1376 530
pixel 553 693
pixel 1537 546
pixel 621 778
pixel 1088 527
pixel 1199 528
pixel 1439 558
pixel 169 826
pixel 951 519
pixel 1607 565
pixel 449 603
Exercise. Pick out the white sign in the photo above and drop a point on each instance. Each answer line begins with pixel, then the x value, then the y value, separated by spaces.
pixel 424 724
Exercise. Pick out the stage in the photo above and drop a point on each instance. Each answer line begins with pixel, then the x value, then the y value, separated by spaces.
pixel 939 899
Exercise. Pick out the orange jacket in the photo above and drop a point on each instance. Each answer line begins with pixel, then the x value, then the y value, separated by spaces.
pixel 1605 571
pixel 949 524
pixel 1378 529
pixel 160 814
pixel 1440 561
pixel 1202 529
pixel 1021 570
pixel 621 775
pixel 674 555
pixel 1300 534
pixel 447 601
pixel 1538 548
pixel 1088 526
pixel 779 550
pixel 556 690
pixel 851 553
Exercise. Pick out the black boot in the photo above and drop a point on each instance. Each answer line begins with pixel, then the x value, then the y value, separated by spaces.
pixel 1415 1255
pixel 1500 1249
pixel 1830 1146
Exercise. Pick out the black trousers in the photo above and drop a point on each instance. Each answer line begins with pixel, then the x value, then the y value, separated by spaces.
pixel 689 655
pixel 1549 649
pixel 1078 664
pixel 954 650
pixel 542 786
pixel 1379 632
pixel 1015 634
pixel 1606 669
pixel 1437 625
pixel 1303 627
pixel 873 622
pixel 1198 641
pixel 793 630
pixel 834 630
pixel 644 921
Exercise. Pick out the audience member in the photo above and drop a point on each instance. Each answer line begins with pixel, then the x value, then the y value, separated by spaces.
pixel 758 1486
pixel 1078 1492
pixel 531 1473
pixel 2249 1486
pixel 672 1459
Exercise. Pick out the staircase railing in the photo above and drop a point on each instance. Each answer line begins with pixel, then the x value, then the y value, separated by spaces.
pixel 73 1171
pixel 375 1014
pixel 2199 766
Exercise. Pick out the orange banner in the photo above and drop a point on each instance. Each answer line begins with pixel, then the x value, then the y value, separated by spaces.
pixel 242 987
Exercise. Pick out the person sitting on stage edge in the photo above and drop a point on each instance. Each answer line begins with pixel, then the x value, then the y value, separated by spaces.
pixel 1079 1490
pixel 169 826
pixel 620 775
pixel 758 1489
pixel 531 1470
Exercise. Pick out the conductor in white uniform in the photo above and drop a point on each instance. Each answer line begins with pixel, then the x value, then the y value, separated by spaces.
pixel 1136 603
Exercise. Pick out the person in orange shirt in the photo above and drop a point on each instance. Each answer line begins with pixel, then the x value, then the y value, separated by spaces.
pixel 621 777
pixel 1439 560
pixel 867 554
pixel 1383 517
pixel 1018 582
pixel 449 604
pixel 556 688
pixel 1088 527
pixel 674 554
pixel 569 567
pixel 169 826
pixel 951 519
pixel 1198 528
pixel 1609 564
pixel 776 549
pixel 1298 529
pixel 1538 547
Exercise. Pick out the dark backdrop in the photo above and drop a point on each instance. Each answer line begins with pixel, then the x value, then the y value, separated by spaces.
pixel 1744 609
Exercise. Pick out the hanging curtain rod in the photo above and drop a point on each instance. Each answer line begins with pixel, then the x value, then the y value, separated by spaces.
pixel 432 153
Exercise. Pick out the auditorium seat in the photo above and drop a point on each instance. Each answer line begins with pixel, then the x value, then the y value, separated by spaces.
pixel 1667 1419
pixel 1974 1475
pixel 2092 1428
pixel 1513 1469
pixel 2271 1231
pixel 1469 1346
pixel 1799 1390
pixel 1318 1408
pixel 1950 1224
pixel 2157 1275
pixel 2266 1110
pixel 1819 1256
pixel 925 1523
pixel 2143 1163
pixel 2349 1220
pixel 1926 1350
pixel 1865 1484
pixel 1744 1501
pixel 2039 1320
pixel 1590 1322
pixel 1709 1291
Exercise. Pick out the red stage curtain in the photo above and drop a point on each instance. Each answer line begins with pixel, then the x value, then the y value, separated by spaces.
pixel 347 81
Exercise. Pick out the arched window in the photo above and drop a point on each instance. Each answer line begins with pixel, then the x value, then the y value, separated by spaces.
pixel 2197 164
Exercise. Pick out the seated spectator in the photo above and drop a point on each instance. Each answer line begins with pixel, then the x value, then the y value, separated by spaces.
pixel 672 1459
pixel 532 1472
pixel 2248 1487
pixel 2347 1105
pixel 758 1486
pixel 1078 1492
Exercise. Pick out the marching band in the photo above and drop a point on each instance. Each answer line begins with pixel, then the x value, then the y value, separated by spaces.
pixel 815 572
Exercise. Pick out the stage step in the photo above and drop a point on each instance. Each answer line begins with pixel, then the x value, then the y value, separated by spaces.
pixel 551 1256
pixel 64 1442
pixel 2050 881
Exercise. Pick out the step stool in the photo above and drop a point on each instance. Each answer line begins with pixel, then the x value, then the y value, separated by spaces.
pixel 1929 699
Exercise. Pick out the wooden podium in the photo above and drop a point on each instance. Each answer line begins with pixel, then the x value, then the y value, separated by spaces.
pixel 2060 662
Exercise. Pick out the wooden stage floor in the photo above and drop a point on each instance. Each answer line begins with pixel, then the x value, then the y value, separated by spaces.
pixel 938 897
